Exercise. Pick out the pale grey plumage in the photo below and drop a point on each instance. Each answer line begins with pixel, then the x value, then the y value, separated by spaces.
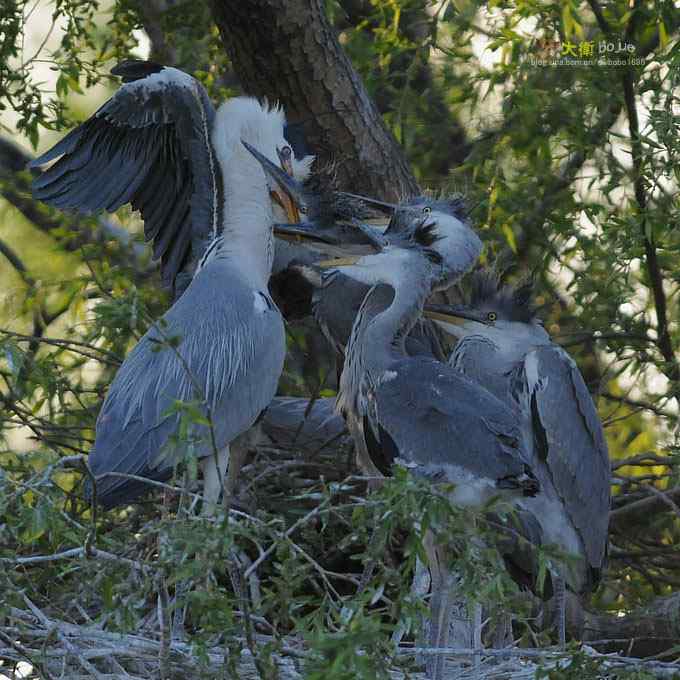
pixel 513 357
pixel 232 350
pixel 158 144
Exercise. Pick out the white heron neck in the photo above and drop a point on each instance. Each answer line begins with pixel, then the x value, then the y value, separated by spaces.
pixel 247 227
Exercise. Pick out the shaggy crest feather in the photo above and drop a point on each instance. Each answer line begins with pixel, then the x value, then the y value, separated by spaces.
pixel 512 302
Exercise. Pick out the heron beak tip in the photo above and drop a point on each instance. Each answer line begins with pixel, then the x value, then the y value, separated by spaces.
pixel 337 262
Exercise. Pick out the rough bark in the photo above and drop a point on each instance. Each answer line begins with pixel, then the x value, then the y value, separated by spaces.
pixel 288 51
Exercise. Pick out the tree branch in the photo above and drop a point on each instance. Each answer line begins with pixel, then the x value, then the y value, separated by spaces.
pixel 15 188
pixel 671 368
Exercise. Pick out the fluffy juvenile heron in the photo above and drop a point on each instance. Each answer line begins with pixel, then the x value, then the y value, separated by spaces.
pixel 415 411
pixel 335 304
pixel 503 346
pixel 159 145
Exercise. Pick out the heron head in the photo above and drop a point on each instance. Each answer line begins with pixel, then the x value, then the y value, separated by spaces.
pixel 503 313
pixel 454 239
pixel 263 127
pixel 404 253
pixel 286 191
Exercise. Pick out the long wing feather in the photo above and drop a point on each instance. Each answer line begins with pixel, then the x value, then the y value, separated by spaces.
pixel 573 444
pixel 149 146
pixel 443 423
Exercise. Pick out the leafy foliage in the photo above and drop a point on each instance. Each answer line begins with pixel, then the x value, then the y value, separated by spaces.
pixel 572 171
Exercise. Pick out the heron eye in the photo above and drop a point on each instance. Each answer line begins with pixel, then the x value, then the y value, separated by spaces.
pixel 491 316
pixel 302 209
pixel 427 210
pixel 286 152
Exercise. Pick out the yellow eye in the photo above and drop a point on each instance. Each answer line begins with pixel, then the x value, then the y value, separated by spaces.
pixel 427 210
pixel 491 316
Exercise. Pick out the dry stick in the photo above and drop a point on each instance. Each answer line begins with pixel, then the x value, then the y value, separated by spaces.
pixel 164 629
pixel 21 650
pixel 68 645
pixel 114 359
pixel 665 498
pixel 76 552
pixel 303 520
pixel 651 459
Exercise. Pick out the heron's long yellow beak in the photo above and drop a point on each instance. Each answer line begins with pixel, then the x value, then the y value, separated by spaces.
pixel 288 205
pixel 282 197
pixel 337 262
pixel 446 318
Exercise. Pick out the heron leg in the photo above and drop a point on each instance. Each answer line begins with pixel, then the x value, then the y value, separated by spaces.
pixel 419 589
pixel 561 610
pixel 440 620
pixel 502 632
pixel 240 447
pixel 477 637
pixel 445 604
pixel 214 468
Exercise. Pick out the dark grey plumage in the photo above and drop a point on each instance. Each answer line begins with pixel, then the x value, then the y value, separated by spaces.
pixel 335 304
pixel 510 354
pixel 307 425
pixel 441 425
pixel 416 410
pixel 149 145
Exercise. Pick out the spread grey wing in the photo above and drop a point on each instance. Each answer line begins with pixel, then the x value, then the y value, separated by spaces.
pixel 439 422
pixel 149 145
pixel 569 436
pixel 231 360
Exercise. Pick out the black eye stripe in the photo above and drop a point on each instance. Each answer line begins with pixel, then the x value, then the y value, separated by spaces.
pixel 426 234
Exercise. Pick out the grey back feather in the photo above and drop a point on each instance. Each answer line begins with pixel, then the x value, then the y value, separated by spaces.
pixel 228 357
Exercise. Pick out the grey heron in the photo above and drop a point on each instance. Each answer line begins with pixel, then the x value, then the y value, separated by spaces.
pixel 503 346
pixel 415 411
pixel 459 247
pixel 160 145
pixel 335 304
pixel 207 205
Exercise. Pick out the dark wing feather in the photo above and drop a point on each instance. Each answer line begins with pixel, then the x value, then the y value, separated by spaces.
pixel 437 418
pixel 149 146
pixel 569 435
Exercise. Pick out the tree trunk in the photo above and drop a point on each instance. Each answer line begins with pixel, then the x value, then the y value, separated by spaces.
pixel 289 51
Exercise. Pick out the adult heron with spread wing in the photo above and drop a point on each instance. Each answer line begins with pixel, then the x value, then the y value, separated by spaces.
pixel 207 205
